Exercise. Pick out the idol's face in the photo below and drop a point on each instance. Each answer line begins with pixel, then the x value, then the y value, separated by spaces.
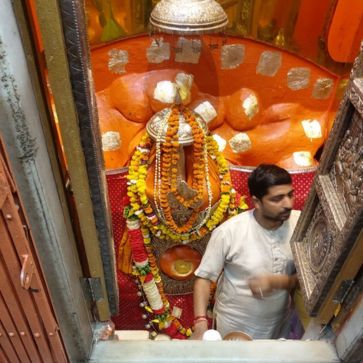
pixel 277 204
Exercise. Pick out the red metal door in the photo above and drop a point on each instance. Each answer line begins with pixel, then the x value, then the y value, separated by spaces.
pixel 29 332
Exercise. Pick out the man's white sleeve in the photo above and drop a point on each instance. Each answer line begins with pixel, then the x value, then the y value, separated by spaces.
pixel 213 259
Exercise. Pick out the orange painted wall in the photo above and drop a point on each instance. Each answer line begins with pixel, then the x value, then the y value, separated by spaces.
pixel 209 76
pixel 274 137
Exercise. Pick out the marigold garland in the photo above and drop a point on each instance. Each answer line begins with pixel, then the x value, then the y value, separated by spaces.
pixel 142 222
pixel 167 156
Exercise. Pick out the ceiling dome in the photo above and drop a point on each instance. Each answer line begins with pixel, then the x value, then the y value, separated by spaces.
pixel 188 17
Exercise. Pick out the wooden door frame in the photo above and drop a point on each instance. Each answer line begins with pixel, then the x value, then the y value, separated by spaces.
pixel 63 36
pixel 28 141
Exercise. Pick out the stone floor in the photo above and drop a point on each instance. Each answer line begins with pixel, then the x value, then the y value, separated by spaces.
pixel 128 350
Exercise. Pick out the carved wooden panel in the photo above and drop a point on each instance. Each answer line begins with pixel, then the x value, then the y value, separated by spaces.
pixel 333 215
pixel 347 171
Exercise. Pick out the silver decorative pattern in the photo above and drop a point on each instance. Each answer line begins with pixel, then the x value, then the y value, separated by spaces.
pixel 269 63
pixel 188 17
pixel 250 106
pixel 356 96
pixel 322 88
pixel 220 141
pixel 184 132
pixel 320 240
pixel 188 51
pixel 111 140
pixel 303 158
pixel 298 78
pixel 232 56
pixel 206 111
pixel 165 91
pixel 118 59
pixel 184 82
pixel 349 165
pixel 240 143
pixel 312 128
pixel 158 52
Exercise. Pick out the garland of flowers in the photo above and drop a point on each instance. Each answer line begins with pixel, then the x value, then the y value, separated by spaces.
pixel 142 222
pixel 149 277
pixel 166 166
pixel 141 207
pixel 200 161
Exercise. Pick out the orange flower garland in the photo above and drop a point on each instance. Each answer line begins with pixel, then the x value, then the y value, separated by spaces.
pixel 169 168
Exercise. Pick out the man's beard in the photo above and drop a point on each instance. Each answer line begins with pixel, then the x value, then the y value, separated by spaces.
pixel 283 216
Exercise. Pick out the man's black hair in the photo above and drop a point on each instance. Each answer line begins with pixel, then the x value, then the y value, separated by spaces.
pixel 265 176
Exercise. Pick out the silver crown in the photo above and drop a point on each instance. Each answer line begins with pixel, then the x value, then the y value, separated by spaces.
pixel 158 125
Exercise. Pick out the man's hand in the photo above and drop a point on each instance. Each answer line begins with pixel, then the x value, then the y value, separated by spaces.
pixel 200 299
pixel 199 329
pixel 263 285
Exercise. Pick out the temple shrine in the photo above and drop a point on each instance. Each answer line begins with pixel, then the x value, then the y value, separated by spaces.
pixel 256 98
pixel 152 116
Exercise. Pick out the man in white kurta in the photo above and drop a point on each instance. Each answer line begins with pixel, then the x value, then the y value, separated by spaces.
pixel 250 257
pixel 243 249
